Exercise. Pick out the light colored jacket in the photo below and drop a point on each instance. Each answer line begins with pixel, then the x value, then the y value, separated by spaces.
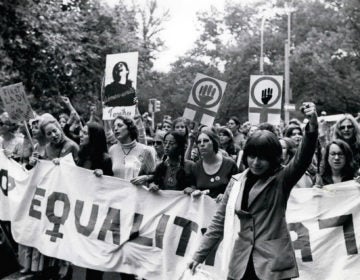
pixel 263 237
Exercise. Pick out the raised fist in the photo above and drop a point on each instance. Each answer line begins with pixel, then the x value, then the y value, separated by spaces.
pixel 266 95
pixel 206 93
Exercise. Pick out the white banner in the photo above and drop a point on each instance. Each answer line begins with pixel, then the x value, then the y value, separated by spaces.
pixel 109 224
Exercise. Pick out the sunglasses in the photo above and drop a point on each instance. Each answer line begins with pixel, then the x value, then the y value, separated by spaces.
pixel 158 143
pixel 342 127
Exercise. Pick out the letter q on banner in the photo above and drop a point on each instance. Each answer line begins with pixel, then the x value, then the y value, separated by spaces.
pixel 265 99
pixel 204 99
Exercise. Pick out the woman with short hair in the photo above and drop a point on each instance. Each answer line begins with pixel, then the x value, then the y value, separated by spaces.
pixel 213 171
pixel 251 217
pixel 129 157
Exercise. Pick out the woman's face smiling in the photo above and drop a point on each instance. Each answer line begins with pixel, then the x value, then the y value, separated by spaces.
pixel 346 129
pixel 53 133
pixel 84 136
pixel 257 165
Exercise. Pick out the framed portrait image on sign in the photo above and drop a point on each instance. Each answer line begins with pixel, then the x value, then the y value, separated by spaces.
pixel 120 79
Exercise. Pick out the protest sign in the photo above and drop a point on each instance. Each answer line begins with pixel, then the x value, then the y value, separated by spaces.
pixel 116 226
pixel 265 97
pixel 120 85
pixel 204 99
pixel 16 102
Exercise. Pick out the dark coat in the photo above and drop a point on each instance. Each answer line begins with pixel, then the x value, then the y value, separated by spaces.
pixel 264 237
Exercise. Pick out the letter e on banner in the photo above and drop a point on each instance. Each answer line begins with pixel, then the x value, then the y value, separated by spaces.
pixel 265 99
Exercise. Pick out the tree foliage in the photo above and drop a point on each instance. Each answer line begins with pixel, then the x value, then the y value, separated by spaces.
pixel 56 48
pixel 324 61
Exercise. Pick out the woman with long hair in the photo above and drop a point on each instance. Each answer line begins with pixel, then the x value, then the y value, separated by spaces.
pixel 93 149
pixel 93 155
pixel 227 142
pixel 58 144
pixel 174 172
pixel 338 164
pixel 347 129
pixel 251 216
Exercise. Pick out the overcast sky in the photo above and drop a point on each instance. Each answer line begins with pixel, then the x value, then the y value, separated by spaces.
pixel 182 21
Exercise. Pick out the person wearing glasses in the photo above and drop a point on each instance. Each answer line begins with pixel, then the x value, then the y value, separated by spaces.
pixel 213 171
pixel 174 172
pixel 338 164
pixel 159 146
pixel 347 129
pixel 251 217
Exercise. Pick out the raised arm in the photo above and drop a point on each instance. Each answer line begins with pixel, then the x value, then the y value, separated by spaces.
pixel 303 156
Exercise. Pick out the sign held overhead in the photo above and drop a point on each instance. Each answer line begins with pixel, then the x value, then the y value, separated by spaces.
pixel 204 99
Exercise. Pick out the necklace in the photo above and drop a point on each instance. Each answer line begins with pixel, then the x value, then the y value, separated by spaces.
pixel 172 173
pixel 129 148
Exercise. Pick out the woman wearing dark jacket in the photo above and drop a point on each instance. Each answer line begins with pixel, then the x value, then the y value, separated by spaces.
pixel 174 172
pixel 93 155
pixel 251 216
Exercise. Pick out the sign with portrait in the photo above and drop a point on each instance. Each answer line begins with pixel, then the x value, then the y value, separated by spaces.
pixel 265 96
pixel 16 102
pixel 204 99
pixel 119 93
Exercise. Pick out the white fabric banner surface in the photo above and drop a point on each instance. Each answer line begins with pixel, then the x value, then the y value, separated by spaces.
pixel 109 224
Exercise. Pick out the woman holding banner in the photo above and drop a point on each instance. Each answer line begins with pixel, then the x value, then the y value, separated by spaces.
pixel 58 144
pixel 251 217
pixel 93 155
pixel 214 170
pixel 338 164
pixel 174 172
pixel 130 158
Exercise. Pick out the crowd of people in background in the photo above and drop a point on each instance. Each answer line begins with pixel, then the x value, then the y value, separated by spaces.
pixel 176 155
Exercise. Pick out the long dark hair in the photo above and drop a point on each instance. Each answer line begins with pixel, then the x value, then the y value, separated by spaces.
pixel 96 149
pixel 348 171
pixel 263 144
pixel 115 73
pixel 160 171
pixel 183 120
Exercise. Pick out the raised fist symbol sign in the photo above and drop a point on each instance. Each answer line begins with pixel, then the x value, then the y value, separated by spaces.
pixel 266 95
pixel 206 93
